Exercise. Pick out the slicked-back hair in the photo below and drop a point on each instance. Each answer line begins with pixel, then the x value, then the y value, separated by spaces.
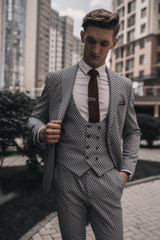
pixel 103 19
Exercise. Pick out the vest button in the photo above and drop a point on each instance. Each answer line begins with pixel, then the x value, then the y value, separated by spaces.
pixel 87 157
pixel 99 127
pixel 88 136
pixel 89 126
pixel 97 137
pixel 97 148
pixel 87 147
pixel 97 158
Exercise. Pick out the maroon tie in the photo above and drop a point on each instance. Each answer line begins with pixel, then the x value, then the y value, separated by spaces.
pixel 93 101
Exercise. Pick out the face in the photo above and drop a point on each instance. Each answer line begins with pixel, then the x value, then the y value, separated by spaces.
pixel 97 43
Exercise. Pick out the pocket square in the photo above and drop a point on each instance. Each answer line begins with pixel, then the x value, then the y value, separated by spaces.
pixel 122 103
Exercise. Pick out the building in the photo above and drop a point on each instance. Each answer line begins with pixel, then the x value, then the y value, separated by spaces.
pixel 12 22
pixel 137 55
pixel 61 41
pixel 37 41
pixel 77 50
pixel 34 41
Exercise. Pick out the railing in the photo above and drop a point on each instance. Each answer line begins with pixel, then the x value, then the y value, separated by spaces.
pixel 147 91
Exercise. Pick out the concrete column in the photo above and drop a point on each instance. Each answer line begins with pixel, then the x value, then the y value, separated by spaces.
pixel 156 110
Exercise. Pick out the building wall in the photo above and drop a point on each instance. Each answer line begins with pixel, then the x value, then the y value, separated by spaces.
pixel 43 36
pixel 0 38
pixel 30 45
pixel 140 23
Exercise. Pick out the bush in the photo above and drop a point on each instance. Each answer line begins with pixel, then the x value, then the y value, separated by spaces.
pixel 15 108
pixel 150 127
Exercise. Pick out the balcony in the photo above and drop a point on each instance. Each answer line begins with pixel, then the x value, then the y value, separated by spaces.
pixel 147 94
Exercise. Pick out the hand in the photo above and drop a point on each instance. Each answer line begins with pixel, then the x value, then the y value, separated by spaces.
pixel 50 134
pixel 124 176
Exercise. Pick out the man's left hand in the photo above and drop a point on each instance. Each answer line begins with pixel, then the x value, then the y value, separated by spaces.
pixel 124 176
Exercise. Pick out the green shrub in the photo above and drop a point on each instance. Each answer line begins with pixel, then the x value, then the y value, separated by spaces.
pixel 150 127
pixel 15 108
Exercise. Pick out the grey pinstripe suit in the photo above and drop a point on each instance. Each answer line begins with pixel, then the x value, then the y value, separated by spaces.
pixel 121 120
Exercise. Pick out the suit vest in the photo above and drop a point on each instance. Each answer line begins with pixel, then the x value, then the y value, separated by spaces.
pixel 83 145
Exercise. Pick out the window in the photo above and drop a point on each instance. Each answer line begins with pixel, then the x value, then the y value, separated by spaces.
pixel 119 2
pixel 142 59
pixel 121 25
pixel 131 6
pixel 121 12
pixel 130 64
pixel 120 39
pixel 143 12
pixel 130 35
pixel 130 49
pixel 131 20
pixel 141 74
pixel 159 8
pixel 143 28
pixel 158 40
pixel 119 52
pixel 119 67
pixel 129 75
pixel 142 43
pixel 143 1
pixel 158 57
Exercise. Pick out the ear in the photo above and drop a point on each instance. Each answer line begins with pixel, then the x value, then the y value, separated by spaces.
pixel 114 43
pixel 82 35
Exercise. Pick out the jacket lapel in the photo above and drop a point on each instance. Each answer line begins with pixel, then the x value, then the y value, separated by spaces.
pixel 115 88
pixel 68 79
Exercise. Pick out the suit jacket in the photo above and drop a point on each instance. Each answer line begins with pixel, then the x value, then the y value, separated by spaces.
pixel 122 123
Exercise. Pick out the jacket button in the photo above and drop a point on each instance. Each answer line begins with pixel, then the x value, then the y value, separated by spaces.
pixel 88 136
pixel 97 148
pixel 97 137
pixel 97 158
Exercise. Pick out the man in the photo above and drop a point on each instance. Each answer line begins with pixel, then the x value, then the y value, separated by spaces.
pixel 82 127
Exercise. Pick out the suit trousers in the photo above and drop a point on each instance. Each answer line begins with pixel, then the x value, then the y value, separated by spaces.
pixel 89 198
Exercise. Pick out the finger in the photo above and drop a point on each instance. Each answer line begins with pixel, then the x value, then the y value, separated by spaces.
pixel 51 131
pixel 56 121
pixel 53 125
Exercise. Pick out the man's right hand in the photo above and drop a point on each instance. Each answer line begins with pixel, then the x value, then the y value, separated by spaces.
pixel 50 134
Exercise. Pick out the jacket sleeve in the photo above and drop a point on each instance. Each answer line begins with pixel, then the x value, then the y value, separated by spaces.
pixel 131 137
pixel 39 116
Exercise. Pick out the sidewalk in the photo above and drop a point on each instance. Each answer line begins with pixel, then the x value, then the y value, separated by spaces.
pixel 141 213
pixel 140 203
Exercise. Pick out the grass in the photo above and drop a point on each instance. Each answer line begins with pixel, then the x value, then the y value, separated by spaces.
pixel 25 203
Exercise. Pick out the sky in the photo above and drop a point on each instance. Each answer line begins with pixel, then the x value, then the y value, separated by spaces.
pixel 78 9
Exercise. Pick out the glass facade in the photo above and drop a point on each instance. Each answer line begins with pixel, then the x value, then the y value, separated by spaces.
pixel 13 40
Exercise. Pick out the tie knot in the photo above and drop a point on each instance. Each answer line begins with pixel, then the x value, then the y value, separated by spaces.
pixel 93 73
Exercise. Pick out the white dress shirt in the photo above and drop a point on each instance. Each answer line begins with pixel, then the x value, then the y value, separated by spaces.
pixel 80 90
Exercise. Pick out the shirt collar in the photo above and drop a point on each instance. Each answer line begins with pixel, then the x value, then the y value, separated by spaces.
pixel 85 67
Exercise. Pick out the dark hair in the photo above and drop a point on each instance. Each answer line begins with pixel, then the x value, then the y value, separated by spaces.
pixel 102 18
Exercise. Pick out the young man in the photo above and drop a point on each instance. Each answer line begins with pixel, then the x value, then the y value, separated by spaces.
pixel 82 117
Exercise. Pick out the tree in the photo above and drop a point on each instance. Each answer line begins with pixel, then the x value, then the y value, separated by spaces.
pixel 15 108
pixel 150 127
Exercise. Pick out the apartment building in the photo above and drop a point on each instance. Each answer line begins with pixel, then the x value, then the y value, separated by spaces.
pixel 34 41
pixel 137 55
pixel 12 21
pixel 61 41
pixel 37 41
pixel 77 50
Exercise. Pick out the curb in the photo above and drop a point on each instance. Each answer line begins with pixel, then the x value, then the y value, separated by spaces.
pixel 41 224
pixel 143 180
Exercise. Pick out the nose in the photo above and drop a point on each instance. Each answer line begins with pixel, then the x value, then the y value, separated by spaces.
pixel 96 49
